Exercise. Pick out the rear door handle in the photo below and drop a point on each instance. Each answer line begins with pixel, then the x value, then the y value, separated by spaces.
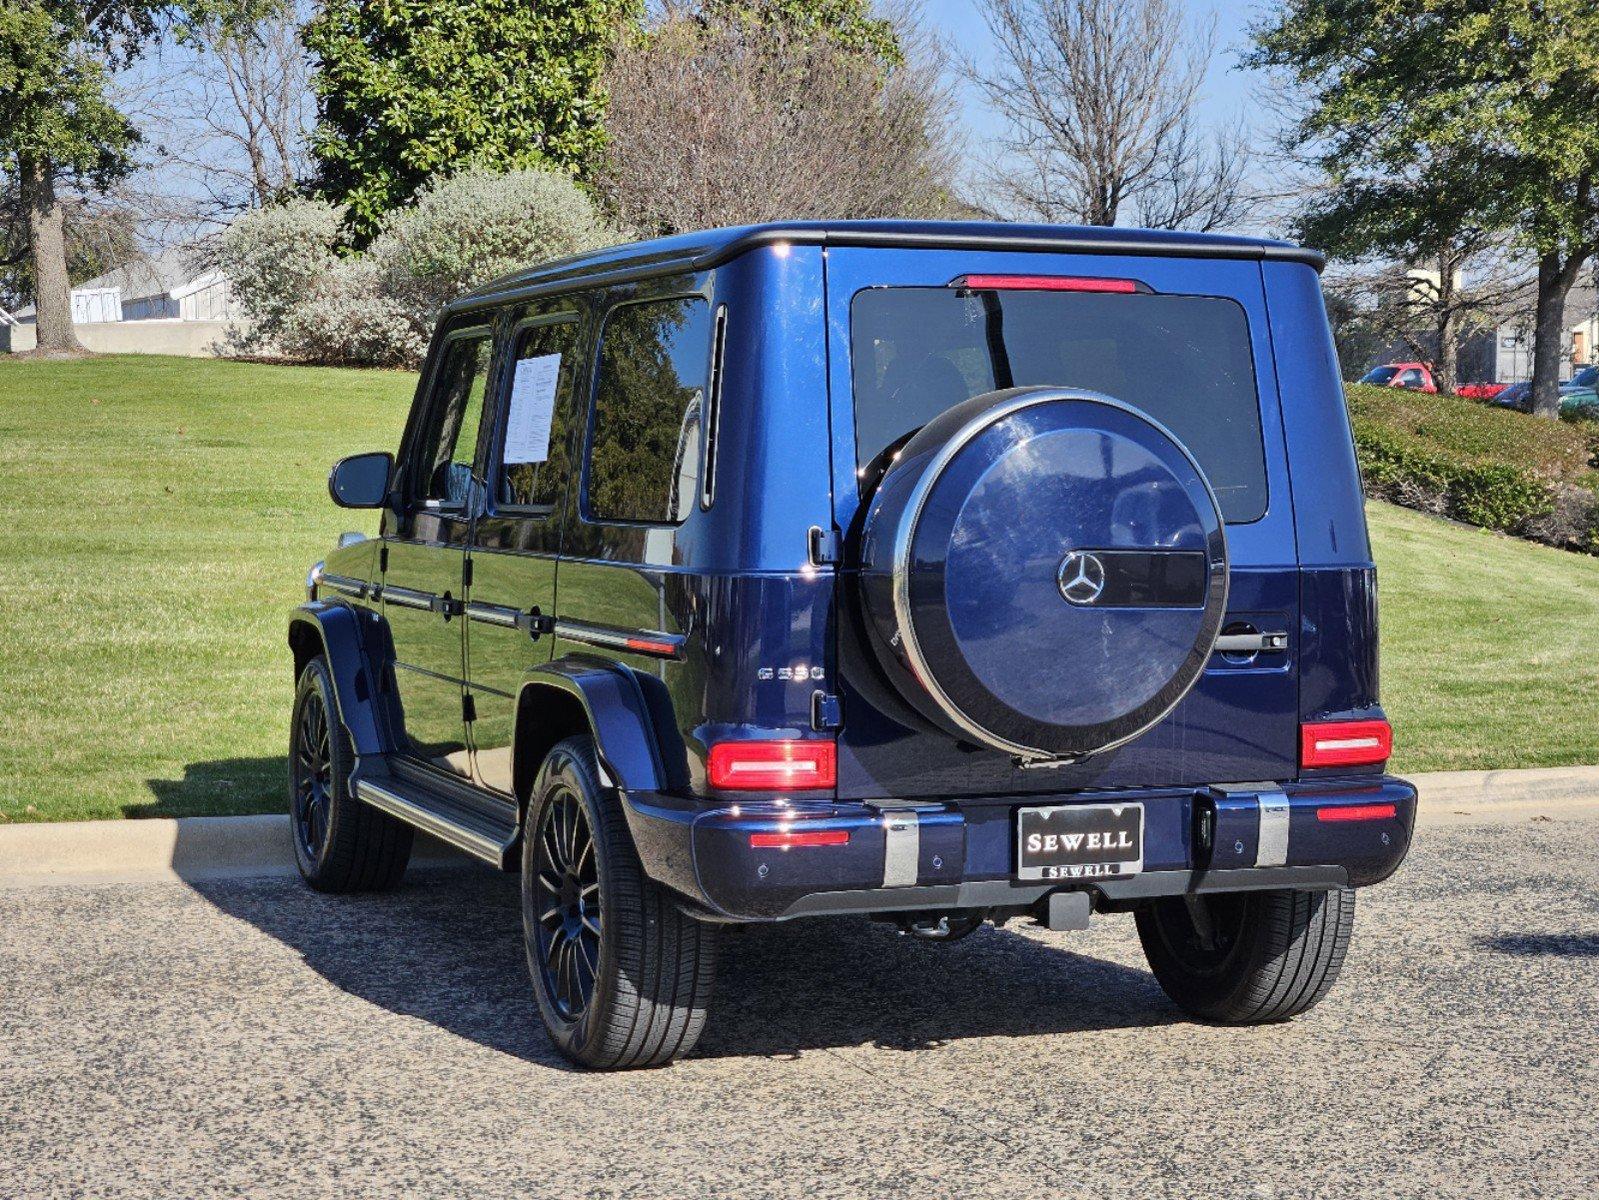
pixel 1252 643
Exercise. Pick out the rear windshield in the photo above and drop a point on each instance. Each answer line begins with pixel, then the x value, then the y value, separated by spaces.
pixel 1183 360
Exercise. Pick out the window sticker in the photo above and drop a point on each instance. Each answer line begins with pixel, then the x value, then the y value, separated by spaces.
pixel 527 430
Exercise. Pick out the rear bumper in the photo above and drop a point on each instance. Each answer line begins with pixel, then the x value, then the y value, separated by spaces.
pixel 932 856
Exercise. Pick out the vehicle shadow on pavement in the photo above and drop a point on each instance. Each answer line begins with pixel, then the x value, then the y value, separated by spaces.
pixel 446 948
pixel 1558 945
pixel 841 982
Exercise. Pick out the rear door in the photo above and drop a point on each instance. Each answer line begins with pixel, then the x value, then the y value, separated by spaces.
pixel 515 544
pixel 1185 341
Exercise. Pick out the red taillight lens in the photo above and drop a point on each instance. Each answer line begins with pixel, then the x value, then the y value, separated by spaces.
pixel 1042 283
pixel 799 837
pixel 1345 743
pixel 773 766
pixel 1356 812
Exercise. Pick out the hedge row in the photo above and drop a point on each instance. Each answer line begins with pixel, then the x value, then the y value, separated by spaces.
pixel 1490 467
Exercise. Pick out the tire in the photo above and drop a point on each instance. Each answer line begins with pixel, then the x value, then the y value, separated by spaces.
pixel 340 844
pixel 622 975
pixel 1268 956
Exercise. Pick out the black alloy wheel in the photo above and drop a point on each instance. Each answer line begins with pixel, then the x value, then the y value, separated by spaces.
pixel 567 896
pixel 311 777
pixel 341 844
pixel 621 973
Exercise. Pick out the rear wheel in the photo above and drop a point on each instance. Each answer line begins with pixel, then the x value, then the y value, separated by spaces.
pixel 340 844
pixel 622 975
pixel 1246 958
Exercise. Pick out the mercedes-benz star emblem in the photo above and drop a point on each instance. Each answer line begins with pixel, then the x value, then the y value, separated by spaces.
pixel 1081 577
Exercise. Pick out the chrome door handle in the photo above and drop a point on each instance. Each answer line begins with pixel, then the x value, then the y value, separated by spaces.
pixel 1252 643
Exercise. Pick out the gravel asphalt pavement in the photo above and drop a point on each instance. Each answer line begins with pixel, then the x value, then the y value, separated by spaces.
pixel 249 1038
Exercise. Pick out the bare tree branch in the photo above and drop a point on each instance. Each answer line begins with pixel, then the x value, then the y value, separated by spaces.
pixel 711 124
pixel 1097 97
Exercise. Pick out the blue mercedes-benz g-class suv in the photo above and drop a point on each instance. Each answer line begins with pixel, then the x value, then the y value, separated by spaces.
pixel 938 572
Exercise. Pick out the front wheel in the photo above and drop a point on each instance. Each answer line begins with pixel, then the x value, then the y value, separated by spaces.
pixel 340 843
pixel 1247 958
pixel 622 975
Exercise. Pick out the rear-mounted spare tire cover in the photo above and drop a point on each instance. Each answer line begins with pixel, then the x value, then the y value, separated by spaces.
pixel 1044 572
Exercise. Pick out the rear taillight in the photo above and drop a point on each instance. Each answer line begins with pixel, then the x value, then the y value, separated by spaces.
pixel 786 766
pixel 1042 283
pixel 1345 743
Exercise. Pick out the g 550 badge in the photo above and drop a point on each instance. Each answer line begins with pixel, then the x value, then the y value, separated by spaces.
pixel 800 673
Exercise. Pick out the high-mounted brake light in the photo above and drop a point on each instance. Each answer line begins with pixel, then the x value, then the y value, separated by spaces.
pixel 786 838
pixel 1356 812
pixel 773 766
pixel 1345 743
pixel 1042 283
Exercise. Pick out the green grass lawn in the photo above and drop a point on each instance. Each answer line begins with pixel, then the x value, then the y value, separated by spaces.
pixel 163 512
pixel 1490 646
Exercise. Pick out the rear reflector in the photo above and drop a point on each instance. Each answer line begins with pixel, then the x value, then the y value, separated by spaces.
pixel 1042 283
pixel 1355 812
pixel 1345 743
pixel 807 837
pixel 773 766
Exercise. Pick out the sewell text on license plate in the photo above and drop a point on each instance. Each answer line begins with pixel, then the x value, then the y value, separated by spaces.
pixel 1080 841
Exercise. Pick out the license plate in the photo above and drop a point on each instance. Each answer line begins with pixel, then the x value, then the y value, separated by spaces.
pixel 1080 841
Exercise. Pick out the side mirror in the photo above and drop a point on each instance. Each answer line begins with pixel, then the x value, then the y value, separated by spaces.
pixel 361 480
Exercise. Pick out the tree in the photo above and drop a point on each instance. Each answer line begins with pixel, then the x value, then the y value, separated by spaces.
pixel 1505 90
pixel 1098 99
pixel 240 125
pixel 715 121
pixel 848 24
pixel 98 236
pixel 58 126
pixel 410 89
pixel 1437 269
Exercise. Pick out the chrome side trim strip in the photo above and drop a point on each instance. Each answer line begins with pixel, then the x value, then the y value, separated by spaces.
pixel 343 583
pixel 407 598
pixel 652 643
pixel 902 848
pixel 494 614
pixel 1272 845
pixel 412 813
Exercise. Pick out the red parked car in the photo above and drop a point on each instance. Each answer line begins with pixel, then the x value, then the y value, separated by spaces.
pixel 1480 391
pixel 1412 376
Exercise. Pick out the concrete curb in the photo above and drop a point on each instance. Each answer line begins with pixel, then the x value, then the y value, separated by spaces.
pixel 138 850
pixel 198 848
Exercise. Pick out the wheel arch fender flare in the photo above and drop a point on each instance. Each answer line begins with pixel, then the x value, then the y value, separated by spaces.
pixel 358 649
pixel 613 705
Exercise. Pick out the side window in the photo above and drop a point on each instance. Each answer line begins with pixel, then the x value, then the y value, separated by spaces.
pixel 445 452
pixel 1410 379
pixel 644 454
pixel 533 444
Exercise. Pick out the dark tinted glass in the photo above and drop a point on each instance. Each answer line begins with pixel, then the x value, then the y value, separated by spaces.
pixel 449 444
pixel 535 447
pixel 1379 375
pixel 1183 360
pixel 653 363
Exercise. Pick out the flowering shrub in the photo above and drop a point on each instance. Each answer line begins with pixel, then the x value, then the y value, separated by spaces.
pixel 305 301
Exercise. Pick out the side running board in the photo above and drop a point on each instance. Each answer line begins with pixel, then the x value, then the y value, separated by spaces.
pixel 477 824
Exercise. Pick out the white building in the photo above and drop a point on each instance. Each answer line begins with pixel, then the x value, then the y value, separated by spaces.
pixel 155 305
